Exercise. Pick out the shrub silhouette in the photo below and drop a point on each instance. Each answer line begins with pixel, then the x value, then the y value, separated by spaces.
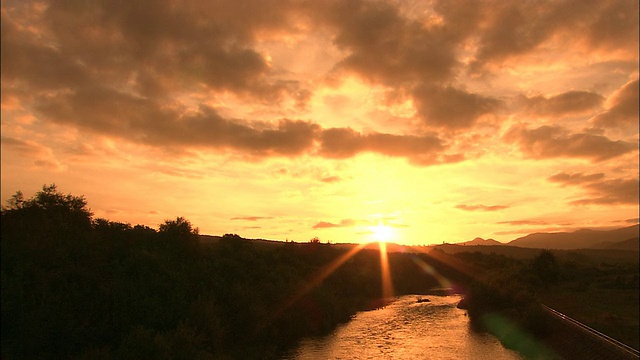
pixel 78 287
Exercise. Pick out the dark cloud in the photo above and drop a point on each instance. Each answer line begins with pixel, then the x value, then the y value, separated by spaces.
pixel 529 24
pixel 40 155
pixel 23 147
pixel 623 110
pixel 481 207
pixel 460 18
pixel 251 218
pixel 345 142
pixel 152 47
pixel 593 26
pixel 554 141
pixel 327 225
pixel 383 45
pixel 614 26
pixel 150 122
pixel 451 108
pixel 112 67
pixel 28 63
pixel 146 121
pixel 161 46
pixel 569 103
pixel 611 192
pixel 600 190
pixel 341 143
pixel 575 179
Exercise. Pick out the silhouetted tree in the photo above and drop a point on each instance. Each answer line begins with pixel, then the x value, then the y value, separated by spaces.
pixel 545 267
pixel 77 287
pixel 178 236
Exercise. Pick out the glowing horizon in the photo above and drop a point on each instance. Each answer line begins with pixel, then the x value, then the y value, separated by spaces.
pixel 382 233
pixel 294 120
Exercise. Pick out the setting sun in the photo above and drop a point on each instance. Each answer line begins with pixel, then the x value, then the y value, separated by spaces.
pixel 320 179
pixel 298 127
pixel 383 233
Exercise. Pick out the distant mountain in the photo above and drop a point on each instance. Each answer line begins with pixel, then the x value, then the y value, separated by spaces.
pixel 581 239
pixel 480 241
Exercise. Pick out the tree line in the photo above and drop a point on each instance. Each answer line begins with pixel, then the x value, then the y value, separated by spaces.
pixel 79 287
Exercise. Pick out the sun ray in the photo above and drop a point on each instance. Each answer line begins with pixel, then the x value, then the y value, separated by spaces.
pixel 385 273
pixel 315 280
pixel 443 281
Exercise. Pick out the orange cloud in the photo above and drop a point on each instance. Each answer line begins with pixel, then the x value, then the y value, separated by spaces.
pixel 142 120
pixel 623 109
pixel 39 155
pixel 609 192
pixel 251 218
pixel 554 141
pixel 328 225
pixel 383 45
pixel 575 179
pixel 331 179
pixel 611 26
pixel 452 108
pixel 314 83
pixel 568 103
pixel 345 142
pixel 599 190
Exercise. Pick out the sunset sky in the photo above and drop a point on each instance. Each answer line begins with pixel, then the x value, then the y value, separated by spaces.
pixel 421 121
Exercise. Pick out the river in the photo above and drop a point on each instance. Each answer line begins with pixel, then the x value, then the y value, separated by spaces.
pixel 406 329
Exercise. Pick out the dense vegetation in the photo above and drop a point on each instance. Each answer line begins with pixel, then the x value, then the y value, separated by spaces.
pixel 502 299
pixel 74 286
pixel 603 295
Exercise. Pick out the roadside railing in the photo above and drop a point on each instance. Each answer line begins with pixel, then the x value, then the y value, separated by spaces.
pixel 623 348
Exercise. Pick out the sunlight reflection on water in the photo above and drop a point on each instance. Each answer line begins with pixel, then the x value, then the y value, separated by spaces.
pixel 406 329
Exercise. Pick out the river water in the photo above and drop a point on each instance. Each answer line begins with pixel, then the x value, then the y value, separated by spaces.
pixel 406 329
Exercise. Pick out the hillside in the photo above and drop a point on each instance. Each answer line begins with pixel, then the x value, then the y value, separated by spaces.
pixel 628 245
pixel 610 244
pixel 480 242
pixel 581 239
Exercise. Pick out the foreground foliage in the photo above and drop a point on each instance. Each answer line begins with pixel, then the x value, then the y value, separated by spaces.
pixel 603 295
pixel 78 287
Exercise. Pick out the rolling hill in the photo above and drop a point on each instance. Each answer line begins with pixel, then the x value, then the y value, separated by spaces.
pixel 480 242
pixel 581 239
pixel 628 245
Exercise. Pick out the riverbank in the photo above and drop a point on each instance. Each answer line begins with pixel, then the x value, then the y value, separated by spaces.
pixel 505 299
